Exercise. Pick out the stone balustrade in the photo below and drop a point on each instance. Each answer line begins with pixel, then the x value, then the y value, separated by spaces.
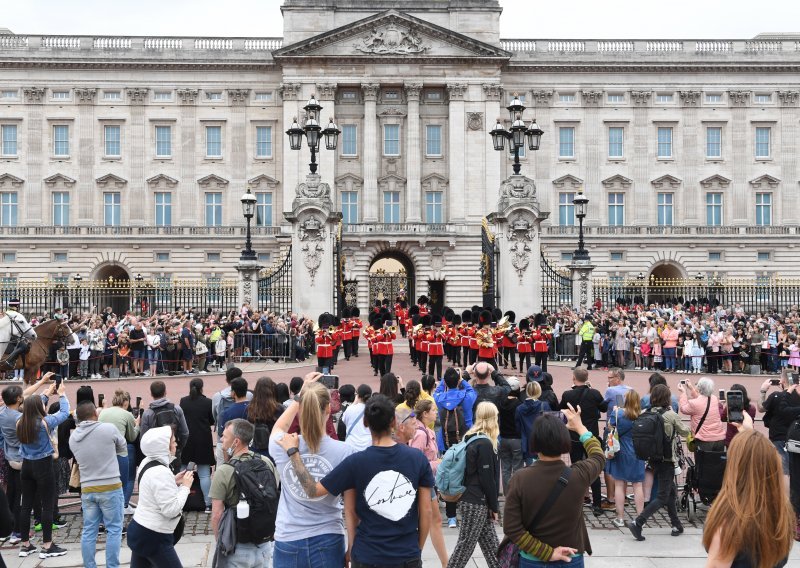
pixel 409 228
pixel 686 47
pixel 58 230
pixel 657 230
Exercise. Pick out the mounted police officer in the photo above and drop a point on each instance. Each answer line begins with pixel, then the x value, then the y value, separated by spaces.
pixel 22 334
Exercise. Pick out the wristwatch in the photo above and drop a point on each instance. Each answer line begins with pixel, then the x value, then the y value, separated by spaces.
pixel 291 451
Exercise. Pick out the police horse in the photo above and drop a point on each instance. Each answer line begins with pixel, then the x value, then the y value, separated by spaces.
pixel 24 347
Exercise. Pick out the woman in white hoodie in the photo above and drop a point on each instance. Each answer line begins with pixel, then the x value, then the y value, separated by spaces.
pixel 161 499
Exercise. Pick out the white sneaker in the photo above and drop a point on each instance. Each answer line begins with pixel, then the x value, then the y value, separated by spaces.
pixel 130 510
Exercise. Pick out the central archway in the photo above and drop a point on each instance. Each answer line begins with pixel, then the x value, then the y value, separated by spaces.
pixel 391 274
pixel 113 288
pixel 664 283
pixel 666 270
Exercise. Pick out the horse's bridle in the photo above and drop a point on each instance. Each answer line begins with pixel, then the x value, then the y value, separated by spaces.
pixel 15 323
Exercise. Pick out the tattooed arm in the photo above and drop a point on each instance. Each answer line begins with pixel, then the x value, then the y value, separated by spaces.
pixel 312 488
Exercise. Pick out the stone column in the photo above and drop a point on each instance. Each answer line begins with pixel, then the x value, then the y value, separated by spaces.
pixel 692 206
pixel 640 199
pixel 742 202
pixel 371 152
pixel 543 160
pixel 326 96
pixel 582 292
pixel 186 200
pixel 596 149
pixel 787 214
pixel 248 281
pixel 32 204
pixel 236 148
pixel 291 158
pixel 84 136
pixel 477 208
pixel 314 227
pixel 138 136
pixel 413 155
pixel 517 224
pixel 456 154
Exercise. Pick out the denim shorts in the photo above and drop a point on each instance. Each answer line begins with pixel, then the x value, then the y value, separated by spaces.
pixel 781 447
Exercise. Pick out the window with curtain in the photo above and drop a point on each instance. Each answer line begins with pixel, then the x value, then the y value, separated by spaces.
pixel 263 208
pixel 112 208
pixel 9 139
pixel 213 141
pixel 713 142
pixel 349 140
pixel 163 201
pixel 615 142
pixel 163 141
pixel 433 140
pixel 61 140
pixel 762 142
pixel 664 142
pixel 213 209
pixel 391 140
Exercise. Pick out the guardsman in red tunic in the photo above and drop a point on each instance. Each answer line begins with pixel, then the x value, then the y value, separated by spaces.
pixel 324 342
pixel 471 333
pixel 356 324
pixel 485 339
pixel 372 344
pixel 411 322
pixel 524 345
pixel 422 354
pixel 422 302
pixel 401 315
pixel 436 338
pixel 347 333
pixel 508 342
pixel 386 352
pixel 337 340
pixel 542 336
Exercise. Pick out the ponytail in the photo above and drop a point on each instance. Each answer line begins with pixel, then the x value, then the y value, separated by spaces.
pixel 313 405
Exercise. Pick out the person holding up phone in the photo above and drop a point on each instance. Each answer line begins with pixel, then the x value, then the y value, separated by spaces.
pixel 778 412
pixel 726 410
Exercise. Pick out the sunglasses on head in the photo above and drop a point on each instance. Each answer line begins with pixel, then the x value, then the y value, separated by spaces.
pixel 412 415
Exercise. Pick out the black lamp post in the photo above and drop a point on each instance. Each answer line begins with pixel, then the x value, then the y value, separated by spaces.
pixel 138 284
pixel 77 281
pixel 249 209
pixel 580 202
pixel 518 133
pixel 312 130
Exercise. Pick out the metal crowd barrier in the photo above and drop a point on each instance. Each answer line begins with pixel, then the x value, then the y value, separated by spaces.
pixel 248 347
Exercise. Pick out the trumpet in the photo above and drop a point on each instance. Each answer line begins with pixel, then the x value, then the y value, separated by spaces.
pixel 393 328
pixel 331 329
pixel 503 324
pixel 484 339
pixel 417 328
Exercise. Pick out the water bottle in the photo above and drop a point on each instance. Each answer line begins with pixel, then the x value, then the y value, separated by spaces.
pixel 242 509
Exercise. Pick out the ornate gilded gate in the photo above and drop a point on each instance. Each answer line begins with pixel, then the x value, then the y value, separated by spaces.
pixel 387 285
pixel 556 286
pixel 275 287
pixel 489 256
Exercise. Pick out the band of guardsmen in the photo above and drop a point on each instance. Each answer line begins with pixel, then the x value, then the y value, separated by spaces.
pixel 477 334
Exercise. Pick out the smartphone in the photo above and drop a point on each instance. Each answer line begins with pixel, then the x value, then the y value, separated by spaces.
pixel 191 466
pixel 326 370
pixel 100 398
pixel 138 402
pixel 775 382
pixel 331 382
pixel 721 394
pixel 793 378
pixel 683 381
pixel 735 401
pixel 560 415
pixel 57 380
pixel 135 412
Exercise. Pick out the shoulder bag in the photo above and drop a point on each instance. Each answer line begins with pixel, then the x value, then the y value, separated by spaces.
pixel 508 553
pixel 178 532
pixel 612 440
pixel 691 445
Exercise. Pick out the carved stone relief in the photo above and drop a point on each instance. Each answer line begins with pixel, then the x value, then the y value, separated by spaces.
pixel 391 40
pixel 33 94
pixel 520 234
pixel 290 91
pixel 311 235
pixel 592 98
pixel 641 98
pixel 137 95
pixel 492 91
pixel 326 91
pixel 313 188
pixel 542 97
pixel 188 96
pixel 739 98
pixel 690 98
pixel 518 187
pixel 456 91
pixel 475 120
pixel 85 95
pixel 238 96
pixel 437 258
pixel 788 98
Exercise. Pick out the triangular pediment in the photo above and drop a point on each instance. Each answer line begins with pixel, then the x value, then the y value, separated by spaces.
pixel 765 181
pixel 715 181
pixel 666 181
pixel 568 181
pixel 162 180
pixel 617 181
pixel 212 181
pixel 7 180
pixel 59 179
pixel 110 180
pixel 434 182
pixel 263 181
pixel 391 34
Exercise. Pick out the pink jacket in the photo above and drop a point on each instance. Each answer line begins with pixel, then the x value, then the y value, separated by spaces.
pixel 670 337
pixel 713 429
pixel 425 441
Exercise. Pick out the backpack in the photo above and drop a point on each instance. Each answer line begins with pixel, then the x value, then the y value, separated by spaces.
pixel 793 437
pixel 257 484
pixel 650 440
pixel 453 426
pixel 165 415
pixel 260 441
pixel 450 473
pixel 224 403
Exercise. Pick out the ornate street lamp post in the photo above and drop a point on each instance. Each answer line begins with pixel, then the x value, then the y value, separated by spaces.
pixel 77 281
pixel 312 131
pixel 249 209
pixel 580 202
pixel 518 134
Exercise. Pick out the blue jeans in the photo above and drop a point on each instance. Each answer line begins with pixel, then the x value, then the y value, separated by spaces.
pixel 204 474
pixel 124 474
pixel 577 562
pixel 248 554
pixel 669 358
pixel 105 507
pixel 323 551
pixel 128 489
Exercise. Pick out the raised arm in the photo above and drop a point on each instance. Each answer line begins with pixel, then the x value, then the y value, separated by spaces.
pixel 312 487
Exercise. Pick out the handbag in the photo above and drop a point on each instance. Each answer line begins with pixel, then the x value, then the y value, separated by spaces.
pixel 75 478
pixel 200 348
pixel 612 440
pixel 508 553
pixel 691 444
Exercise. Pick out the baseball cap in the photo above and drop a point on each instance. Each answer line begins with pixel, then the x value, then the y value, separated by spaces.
pixel 534 373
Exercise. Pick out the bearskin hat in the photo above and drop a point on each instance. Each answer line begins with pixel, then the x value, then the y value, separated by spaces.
pixel 436 319
pixel 426 320
pixel 325 320
pixel 413 310
pixel 524 324
pixel 403 304
pixel 373 319
pixel 512 317
pixel 355 312
pixel 346 312
pixel 422 300
pixel 539 319
pixel 475 316
pixel 466 316
pixel 456 320
pixel 415 319
pixel 485 317
pixel 449 314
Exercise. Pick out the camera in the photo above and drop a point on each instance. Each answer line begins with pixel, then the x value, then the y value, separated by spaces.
pixel 330 382
pixel 735 401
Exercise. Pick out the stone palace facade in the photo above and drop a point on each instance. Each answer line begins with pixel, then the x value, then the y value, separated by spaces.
pixel 125 156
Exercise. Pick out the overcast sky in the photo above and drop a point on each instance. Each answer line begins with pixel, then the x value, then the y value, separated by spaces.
pixel 541 19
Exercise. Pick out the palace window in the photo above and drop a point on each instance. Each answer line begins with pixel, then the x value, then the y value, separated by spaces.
pixel 713 209
pixel 111 208
pixel 213 209
pixel 263 209
pixel 665 203
pixel 566 209
pixel 112 140
pixel 714 142
pixel 616 208
pixel 8 209
pixel 9 139
pixel 391 140
pixel 433 207
pixel 763 209
pixel 566 142
pixel 163 201
pixel 664 136
pixel 163 141
pixel 61 208
pixel 615 142
pixel 349 140
pixel 433 140
pixel 763 141
pixel 349 207
pixel 391 206
pixel 213 141
pixel 263 141
pixel 61 140
pixel 665 98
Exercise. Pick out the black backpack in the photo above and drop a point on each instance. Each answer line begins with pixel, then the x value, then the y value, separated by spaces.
pixel 650 440
pixel 260 441
pixel 165 416
pixel 453 426
pixel 256 484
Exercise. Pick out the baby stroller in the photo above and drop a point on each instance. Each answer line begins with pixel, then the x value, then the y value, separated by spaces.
pixel 703 479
